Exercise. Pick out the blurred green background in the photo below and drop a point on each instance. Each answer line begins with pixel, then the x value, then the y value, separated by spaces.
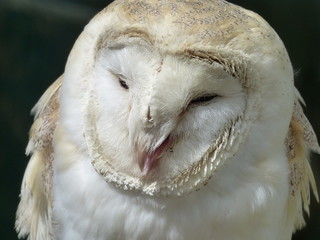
pixel 37 35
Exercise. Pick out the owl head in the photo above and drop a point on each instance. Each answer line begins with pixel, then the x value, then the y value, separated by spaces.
pixel 165 94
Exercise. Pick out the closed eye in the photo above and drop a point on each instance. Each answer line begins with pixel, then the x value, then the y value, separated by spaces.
pixel 202 99
pixel 122 82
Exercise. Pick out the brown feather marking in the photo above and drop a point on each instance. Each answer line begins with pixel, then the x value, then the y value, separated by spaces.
pixel 295 153
pixel 301 139
pixel 42 133
pixel 309 135
pixel 34 210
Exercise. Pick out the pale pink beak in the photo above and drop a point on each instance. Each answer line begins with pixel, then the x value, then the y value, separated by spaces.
pixel 148 160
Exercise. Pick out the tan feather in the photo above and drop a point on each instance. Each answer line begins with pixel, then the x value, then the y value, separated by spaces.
pixel 34 211
pixel 301 140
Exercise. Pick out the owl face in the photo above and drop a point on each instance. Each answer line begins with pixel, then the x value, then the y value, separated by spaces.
pixel 162 116
pixel 159 119
pixel 162 106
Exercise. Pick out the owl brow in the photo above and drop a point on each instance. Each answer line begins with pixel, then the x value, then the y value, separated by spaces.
pixel 236 68
pixel 134 33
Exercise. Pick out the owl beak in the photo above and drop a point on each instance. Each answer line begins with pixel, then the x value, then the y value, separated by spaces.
pixel 148 160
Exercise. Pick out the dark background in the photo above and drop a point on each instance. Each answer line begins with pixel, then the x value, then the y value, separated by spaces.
pixel 37 35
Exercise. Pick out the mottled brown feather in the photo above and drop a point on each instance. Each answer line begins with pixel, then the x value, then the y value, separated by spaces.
pixel 301 140
pixel 34 211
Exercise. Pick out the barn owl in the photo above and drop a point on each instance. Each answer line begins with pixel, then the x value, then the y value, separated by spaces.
pixel 172 120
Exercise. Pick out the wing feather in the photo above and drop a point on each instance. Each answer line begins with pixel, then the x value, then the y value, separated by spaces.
pixel 301 140
pixel 33 217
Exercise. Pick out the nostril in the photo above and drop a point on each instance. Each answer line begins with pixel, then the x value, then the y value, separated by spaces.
pixel 149 117
pixel 148 120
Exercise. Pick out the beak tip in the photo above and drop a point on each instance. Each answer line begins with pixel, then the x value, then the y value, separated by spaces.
pixel 144 163
pixel 144 172
pixel 147 165
pixel 147 160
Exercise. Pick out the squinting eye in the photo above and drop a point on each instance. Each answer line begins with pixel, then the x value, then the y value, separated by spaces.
pixel 123 82
pixel 203 99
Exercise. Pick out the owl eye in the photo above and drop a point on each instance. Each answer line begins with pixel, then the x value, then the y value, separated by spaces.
pixel 203 99
pixel 122 82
